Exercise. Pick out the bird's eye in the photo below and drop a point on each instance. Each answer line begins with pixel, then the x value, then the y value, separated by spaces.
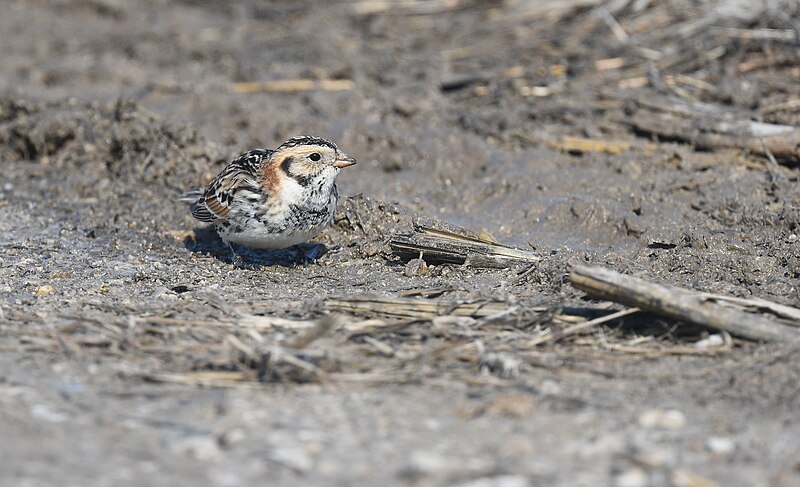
pixel 314 156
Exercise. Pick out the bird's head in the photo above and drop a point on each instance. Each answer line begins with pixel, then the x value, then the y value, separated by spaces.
pixel 305 157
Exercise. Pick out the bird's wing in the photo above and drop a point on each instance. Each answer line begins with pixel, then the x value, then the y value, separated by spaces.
pixel 241 174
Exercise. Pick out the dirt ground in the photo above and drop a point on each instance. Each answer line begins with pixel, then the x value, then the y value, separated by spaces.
pixel 133 353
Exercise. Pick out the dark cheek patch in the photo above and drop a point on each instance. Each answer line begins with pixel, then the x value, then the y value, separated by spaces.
pixel 285 166
pixel 302 172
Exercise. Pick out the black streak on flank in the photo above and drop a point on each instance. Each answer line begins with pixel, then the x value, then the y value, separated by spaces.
pixel 301 179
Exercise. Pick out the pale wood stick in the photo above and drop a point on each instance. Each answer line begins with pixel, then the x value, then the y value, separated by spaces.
pixel 572 330
pixel 680 304
pixel 292 86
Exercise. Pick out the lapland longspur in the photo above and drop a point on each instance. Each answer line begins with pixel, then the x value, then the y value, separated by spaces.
pixel 273 199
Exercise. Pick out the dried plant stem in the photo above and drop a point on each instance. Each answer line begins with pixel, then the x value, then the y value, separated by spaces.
pixel 681 304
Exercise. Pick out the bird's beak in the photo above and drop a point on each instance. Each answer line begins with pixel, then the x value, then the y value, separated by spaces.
pixel 343 160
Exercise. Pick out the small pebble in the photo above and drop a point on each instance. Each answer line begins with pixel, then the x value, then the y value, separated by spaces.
pixel 712 341
pixel 668 419
pixel 44 290
pixel 720 445
pixel 634 477
pixel 231 437
pixel 427 463
pixel 371 249
pixel 43 412
pixel 293 457
pixel 415 267
pixel 162 292
pixel 499 481
pixel 653 457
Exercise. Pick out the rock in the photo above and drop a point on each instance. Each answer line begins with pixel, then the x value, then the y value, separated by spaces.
pixel 499 481
pixel 670 419
pixel 712 341
pixel 293 457
pixel 720 445
pixel 44 413
pixel 653 457
pixel 231 437
pixel 44 290
pixel 415 267
pixel 634 477
pixel 428 463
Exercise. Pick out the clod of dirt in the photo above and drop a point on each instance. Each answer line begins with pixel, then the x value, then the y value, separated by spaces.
pixel 415 267
pixel 119 141
pixel 364 225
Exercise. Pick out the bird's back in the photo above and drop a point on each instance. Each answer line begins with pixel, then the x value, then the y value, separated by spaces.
pixel 241 175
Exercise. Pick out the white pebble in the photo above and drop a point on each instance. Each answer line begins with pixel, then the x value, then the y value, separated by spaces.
pixel 669 419
pixel 427 463
pixel 634 477
pixel 712 341
pixel 720 445
pixel 293 457
pixel 499 481
pixel 43 412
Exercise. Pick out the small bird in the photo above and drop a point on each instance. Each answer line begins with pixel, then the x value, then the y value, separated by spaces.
pixel 273 199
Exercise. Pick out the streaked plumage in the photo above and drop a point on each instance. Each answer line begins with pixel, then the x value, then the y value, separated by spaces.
pixel 271 199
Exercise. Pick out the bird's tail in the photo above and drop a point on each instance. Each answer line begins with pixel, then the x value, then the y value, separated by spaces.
pixel 191 196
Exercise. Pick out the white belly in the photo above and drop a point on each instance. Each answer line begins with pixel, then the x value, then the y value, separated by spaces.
pixel 279 228
pixel 258 238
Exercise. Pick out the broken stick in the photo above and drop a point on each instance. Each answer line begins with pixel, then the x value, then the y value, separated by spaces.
pixel 708 127
pixel 292 86
pixel 441 243
pixel 681 304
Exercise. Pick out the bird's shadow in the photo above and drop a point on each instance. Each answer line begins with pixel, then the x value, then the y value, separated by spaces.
pixel 206 241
